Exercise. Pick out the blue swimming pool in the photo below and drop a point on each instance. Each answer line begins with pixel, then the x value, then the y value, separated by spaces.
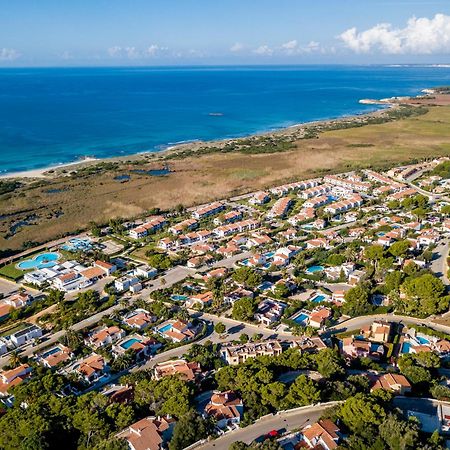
pixel 78 244
pixel 318 298
pixel 50 352
pixel 314 269
pixel 406 347
pixel 127 344
pixel 422 340
pixel 265 285
pixel 301 319
pixel 40 261
pixel 165 328
pixel 179 298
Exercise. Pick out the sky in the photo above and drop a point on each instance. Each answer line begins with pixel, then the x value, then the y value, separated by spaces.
pixel 216 32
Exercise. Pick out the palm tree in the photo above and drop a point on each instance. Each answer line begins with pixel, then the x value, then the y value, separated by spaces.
pixel 72 338
pixel 14 359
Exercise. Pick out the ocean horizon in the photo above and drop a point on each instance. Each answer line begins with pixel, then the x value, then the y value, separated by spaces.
pixel 53 116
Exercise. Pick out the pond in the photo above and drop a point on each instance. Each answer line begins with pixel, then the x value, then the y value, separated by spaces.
pixel 152 172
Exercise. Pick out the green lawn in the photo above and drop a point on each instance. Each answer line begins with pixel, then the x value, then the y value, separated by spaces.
pixel 11 272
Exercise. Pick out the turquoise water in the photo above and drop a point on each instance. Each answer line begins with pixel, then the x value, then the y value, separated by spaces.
pixel 179 298
pixel 301 319
pixel 53 116
pixel 406 347
pixel 314 269
pixel 127 344
pixel 422 340
pixel 318 298
pixel 44 260
pixel 165 328
pixel 78 244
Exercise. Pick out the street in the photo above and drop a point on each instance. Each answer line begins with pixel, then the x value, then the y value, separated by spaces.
pixel 290 420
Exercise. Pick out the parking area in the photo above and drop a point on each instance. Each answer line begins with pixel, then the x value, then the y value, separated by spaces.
pixel 7 287
pixel 111 247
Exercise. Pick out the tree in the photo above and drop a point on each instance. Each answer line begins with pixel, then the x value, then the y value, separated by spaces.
pixel 329 363
pixel 220 328
pixel 303 391
pixel 247 277
pixel 243 338
pixel 273 394
pixel 374 252
pixel 440 392
pixel 159 261
pixel 189 429
pixel 399 249
pixel 14 358
pixel 393 281
pixel 398 434
pixel 425 295
pixel 356 301
pixel 361 413
pixel 244 309
pixel 95 229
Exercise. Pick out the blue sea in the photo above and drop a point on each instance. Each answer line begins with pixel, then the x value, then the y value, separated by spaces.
pixel 56 116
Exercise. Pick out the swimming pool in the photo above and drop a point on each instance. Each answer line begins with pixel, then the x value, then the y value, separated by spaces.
pixel 50 352
pixel 127 344
pixel 41 261
pixel 314 269
pixel 318 298
pixel 406 347
pixel 165 328
pixel 179 298
pixel 265 285
pixel 422 340
pixel 301 319
pixel 78 244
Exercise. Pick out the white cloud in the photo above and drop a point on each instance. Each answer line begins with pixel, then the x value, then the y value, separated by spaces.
pixel 294 48
pixel 8 54
pixel 291 45
pixel 264 50
pixel 135 53
pixel 419 36
pixel 236 47
pixel 115 51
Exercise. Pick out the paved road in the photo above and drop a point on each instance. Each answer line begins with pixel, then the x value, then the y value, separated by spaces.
pixel 439 262
pixel 358 322
pixel 290 420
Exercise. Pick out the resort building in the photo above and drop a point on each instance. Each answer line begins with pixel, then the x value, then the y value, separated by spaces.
pixel 378 331
pixel 105 336
pixel 176 330
pixel 188 371
pixel 236 354
pixel 280 208
pixel 139 319
pixel 25 335
pixel 259 198
pixel 151 433
pixel 323 434
pixel 185 225
pixel 55 356
pixel 90 369
pixel 208 210
pixel 226 408
pixel 13 377
pixel 394 382
pixel 149 227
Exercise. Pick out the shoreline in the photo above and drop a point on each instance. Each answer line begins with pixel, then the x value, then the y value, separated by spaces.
pixel 293 132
